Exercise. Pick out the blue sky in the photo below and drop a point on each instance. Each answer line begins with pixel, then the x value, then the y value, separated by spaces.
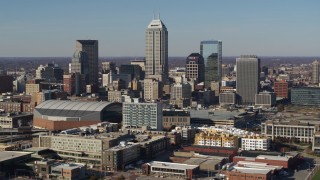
pixel 38 28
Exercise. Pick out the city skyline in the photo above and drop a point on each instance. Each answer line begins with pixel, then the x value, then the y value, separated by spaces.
pixel 270 28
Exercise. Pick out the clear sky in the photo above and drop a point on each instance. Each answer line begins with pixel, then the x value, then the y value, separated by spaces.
pixel 39 28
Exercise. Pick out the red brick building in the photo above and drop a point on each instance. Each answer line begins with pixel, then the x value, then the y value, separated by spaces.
pixel 284 161
pixel 216 151
pixel 281 89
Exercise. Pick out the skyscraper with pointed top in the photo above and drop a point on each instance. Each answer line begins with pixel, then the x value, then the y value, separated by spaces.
pixel 157 50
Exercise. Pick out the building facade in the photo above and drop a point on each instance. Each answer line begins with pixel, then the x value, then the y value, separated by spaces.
pixel 142 114
pixel 248 72
pixel 281 88
pixel 307 96
pixel 227 98
pixel 253 143
pixel 216 139
pixel 195 67
pixel 266 99
pixel 212 70
pixel 289 129
pixel 90 47
pixel 157 51
pixel 175 118
pixel 315 72
pixel 152 90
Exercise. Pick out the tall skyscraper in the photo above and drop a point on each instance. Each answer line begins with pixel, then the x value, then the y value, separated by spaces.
pixel 157 50
pixel 315 72
pixel 212 70
pixel 248 74
pixel 207 48
pixel 91 48
pixel 195 67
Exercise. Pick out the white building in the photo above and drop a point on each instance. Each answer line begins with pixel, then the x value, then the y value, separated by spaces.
pixel 142 114
pixel 255 143
pixel 152 90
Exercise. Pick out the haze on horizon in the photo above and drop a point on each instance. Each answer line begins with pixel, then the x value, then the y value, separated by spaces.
pixel 38 28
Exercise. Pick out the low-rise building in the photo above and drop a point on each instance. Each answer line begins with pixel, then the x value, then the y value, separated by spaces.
pixel 72 171
pixel 227 98
pixel 170 170
pixel 116 158
pixel 290 129
pixel 15 120
pixel 255 143
pixel 216 139
pixel 175 118
pixel 266 99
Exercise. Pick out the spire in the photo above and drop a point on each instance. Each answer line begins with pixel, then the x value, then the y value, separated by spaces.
pixel 158 16
pixel 154 16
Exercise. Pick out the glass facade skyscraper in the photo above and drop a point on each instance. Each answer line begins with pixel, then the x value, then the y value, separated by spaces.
pixel 211 70
pixel 207 48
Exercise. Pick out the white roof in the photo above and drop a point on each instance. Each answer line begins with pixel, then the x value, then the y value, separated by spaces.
pixel 169 165
pixel 156 24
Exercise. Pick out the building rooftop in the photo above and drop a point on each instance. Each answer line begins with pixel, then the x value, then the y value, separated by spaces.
pixel 68 166
pixel 172 165
pixel 122 146
pixel 268 157
pixel 216 115
pixel 7 155
pixel 251 170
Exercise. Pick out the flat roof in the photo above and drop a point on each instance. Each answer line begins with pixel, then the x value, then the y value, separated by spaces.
pixel 217 114
pixel 268 157
pixel 172 165
pixel 251 170
pixel 69 166
pixel 7 155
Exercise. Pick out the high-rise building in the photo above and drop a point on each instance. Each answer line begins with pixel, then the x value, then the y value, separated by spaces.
pixel 315 72
pixel 248 72
pixel 157 51
pixel 180 94
pixel 108 67
pixel 281 88
pixel 207 48
pixel 152 89
pixel 195 67
pixel 80 63
pixel 134 70
pixel 212 70
pixel 50 72
pixel 142 114
pixel 6 84
pixel 91 48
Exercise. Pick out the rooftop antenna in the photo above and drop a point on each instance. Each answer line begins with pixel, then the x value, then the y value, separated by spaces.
pixel 158 16
pixel 153 16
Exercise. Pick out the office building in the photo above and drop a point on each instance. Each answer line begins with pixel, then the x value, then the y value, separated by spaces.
pixel 195 67
pixel 80 65
pixel 209 47
pixel 142 114
pixel 157 51
pixel 248 72
pixel 50 72
pixel 170 170
pixel 212 70
pixel 108 67
pixel 227 98
pixel 255 143
pixel 152 90
pixel 176 118
pixel 74 83
pixel 315 72
pixel 140 63
pixel 281 88
pixel 180 94
pixel 289 129
pixel 266 99
pixel 306 96
pixel 90 47
pixel 118 157
pixel 135 71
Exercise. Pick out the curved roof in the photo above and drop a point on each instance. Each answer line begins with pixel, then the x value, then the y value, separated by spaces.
pixel 71 108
